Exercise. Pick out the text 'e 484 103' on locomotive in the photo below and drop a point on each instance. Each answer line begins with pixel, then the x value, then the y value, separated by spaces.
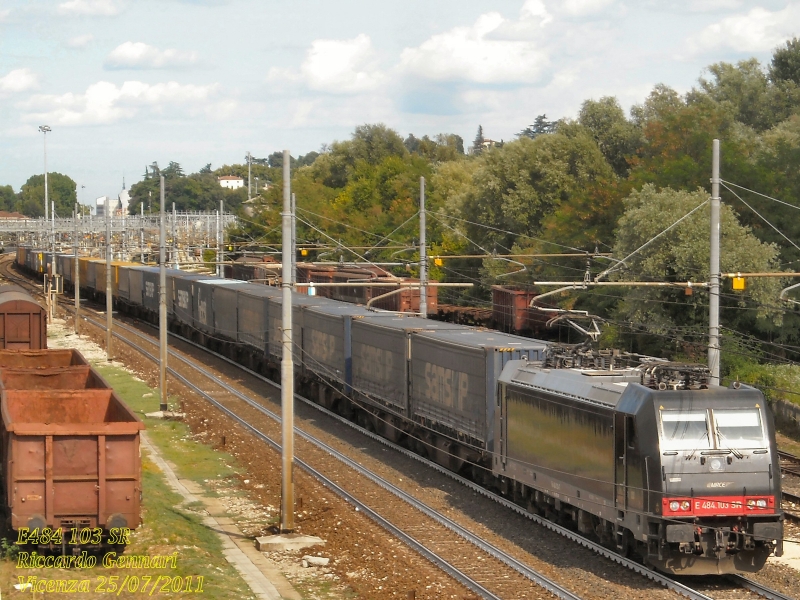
pixel 649 458
pixel 644 454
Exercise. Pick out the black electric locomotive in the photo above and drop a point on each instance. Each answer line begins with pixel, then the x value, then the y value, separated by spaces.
pixel 651 459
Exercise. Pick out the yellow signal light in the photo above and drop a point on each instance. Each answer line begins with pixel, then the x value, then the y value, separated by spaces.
pixel 303 252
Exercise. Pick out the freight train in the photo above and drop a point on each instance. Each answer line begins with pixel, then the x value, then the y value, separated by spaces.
pixel 645 455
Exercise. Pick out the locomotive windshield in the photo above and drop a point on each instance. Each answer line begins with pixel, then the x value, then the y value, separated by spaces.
pixel 739 428
pixel 732 428
pixel 685 430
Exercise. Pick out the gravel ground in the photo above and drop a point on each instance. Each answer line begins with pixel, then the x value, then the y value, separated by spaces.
pixel 377 566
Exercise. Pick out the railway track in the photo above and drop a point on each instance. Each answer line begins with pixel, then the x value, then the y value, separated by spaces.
pixel 737 587
pixel 790 465
pixel 439 539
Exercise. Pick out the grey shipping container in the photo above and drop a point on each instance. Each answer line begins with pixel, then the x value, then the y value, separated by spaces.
pixel 326 341
pixel 203 302
pixel 179 287
pixel 253 314
pixel 66 264
pixel 136 284
pixel 380 354
pixel 226 310
pixel 150 283
pixel 276 318
pixel 454 375
pixel 92 270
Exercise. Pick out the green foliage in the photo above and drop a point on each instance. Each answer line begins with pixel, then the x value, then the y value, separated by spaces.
pixel 444 147
pixel 539 127
pixel 8 199
pixel 682 255
pixel 751 97
pixel 786 63
pixel 61 189
pixel 516 186
pixel 616 137
pixel 198 191
pixel 9 550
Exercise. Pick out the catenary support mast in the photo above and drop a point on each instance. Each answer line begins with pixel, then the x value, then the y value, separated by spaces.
pixel 713 286
pixel 287 365
pixel 162 304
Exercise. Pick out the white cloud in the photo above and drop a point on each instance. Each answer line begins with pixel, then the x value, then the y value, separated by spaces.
pixel 80 41
pixel 336 67
pixel 581 8
pixel 494 50
pixel 105 103
pixel 19 80
pixel 138 55
pixel 4 14
pixel 758 30
pixel 105 8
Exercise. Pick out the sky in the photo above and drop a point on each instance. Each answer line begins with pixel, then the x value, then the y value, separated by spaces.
pixel 123 83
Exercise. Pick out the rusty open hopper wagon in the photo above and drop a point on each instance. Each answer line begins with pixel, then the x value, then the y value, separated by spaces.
pixel 40 359
pixel 70 450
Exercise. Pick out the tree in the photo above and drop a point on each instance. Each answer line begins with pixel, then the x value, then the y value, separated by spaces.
pixel 275 160
pixel 517 185
pixel 540 126
pixel 8 199
pixel 444 147
pixel 61 190
pixel 616 137
pixel 205 170
pixel 173 170
pixel 477 143
pixel 683 255
pixel 746 92
pixel 306 160
pixel 785 64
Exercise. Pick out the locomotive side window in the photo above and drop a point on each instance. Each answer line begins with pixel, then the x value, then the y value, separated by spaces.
pixel 685 430
pixel 739 428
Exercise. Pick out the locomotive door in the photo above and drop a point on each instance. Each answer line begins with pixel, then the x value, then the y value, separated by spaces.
pixel 620 462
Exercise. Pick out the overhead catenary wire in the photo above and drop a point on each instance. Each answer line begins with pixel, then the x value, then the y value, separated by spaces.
pixel 759 194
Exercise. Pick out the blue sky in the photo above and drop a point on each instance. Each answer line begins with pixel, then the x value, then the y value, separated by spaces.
pixel 125 82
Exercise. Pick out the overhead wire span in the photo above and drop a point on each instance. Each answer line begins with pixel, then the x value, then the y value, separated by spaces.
pixel 454 230
pixel 650 241
pixel 760 216
pixel 741 187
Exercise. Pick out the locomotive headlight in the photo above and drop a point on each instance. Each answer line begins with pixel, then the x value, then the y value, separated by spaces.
pixel 685 505
pixel 715 464
pixel 751 503
pixel 761 503
pixel 674 505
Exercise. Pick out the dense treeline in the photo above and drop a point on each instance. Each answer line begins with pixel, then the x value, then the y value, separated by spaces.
pixel 29 201
pixel 603 181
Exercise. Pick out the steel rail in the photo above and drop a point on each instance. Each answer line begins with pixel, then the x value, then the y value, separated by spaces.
pixel 468 582
pixel 756 588
pixel 654 576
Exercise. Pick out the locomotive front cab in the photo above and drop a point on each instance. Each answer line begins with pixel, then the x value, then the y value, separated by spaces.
pixel 720 502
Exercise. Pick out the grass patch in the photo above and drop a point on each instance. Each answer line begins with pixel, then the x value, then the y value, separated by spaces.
pixel 193 460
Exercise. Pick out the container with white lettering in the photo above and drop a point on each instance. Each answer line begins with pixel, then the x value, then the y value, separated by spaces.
pixel 454 377
pixel 380 354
